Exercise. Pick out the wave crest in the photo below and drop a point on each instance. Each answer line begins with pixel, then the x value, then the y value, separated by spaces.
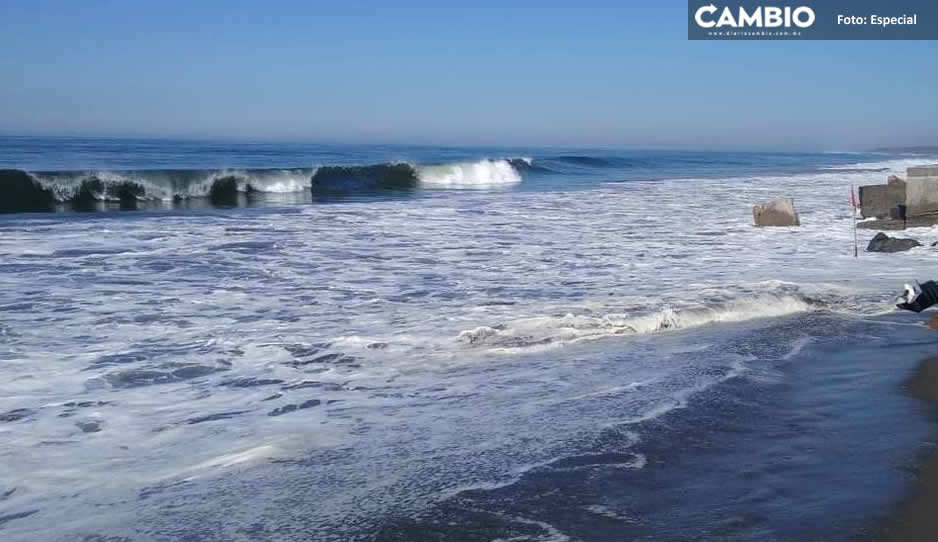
pixel 551 331
pixel 481 174
pixel 26 191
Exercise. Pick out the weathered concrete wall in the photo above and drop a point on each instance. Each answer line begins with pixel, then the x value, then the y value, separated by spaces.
pixel 923 171
pixel 780 212
pixel 921 191
pixel 879 200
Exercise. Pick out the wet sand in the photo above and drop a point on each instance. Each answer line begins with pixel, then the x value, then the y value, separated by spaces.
pixel 916 519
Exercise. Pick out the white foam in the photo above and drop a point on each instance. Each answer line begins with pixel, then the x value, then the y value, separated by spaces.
pixel 551 533
pixel 250 455
pixel 545 332
pixel 605 511
pixel 481 174
pixel 797 346
pixel 895 166
pixel 281 182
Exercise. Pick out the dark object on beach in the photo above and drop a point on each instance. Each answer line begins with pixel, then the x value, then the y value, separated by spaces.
pixel 780 212
pixel 927 297
pixel 883 243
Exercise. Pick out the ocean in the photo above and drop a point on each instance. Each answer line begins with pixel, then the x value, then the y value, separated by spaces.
pixel 216 340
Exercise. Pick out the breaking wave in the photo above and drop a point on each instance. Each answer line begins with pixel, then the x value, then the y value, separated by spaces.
pixel 485 173
pixel 358 179
pixel 44 190
pixel 27 191
pixel 481 174
pixel 550 331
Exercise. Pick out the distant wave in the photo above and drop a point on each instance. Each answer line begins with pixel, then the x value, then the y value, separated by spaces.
pixel 582 160
pixel 856 169
pixel 601 162
pixel 28 191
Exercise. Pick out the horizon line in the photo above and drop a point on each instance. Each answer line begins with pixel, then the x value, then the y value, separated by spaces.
pixel 377 143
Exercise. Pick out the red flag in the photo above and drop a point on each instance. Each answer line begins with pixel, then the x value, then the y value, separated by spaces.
pixel 853 199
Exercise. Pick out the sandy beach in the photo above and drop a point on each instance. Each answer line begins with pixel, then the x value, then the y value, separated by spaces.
pixel 915 518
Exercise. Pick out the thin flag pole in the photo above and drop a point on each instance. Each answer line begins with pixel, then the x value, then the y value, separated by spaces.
pixel 853 210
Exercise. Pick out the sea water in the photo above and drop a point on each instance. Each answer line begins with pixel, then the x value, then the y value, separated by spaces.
pixel 270 341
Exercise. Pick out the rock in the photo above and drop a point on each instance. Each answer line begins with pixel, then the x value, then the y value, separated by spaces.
pixel 780 212
pixel 883 243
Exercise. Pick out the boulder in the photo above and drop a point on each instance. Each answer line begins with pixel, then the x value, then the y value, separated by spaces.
pixel 883 243
pixel 780 212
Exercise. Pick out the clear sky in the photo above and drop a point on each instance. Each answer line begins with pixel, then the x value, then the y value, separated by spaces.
pixel 615 73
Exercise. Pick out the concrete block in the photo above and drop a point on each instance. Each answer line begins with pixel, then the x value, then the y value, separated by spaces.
pixel 878 200
pixel 923 171
pixel 780 212
pixel 921 190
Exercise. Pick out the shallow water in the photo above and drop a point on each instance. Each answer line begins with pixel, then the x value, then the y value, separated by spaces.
pixel 803 444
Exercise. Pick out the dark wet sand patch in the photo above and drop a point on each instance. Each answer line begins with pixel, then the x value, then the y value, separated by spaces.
pixel 916 518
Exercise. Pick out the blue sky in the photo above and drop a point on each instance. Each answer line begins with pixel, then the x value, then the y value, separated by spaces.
pixel 532 73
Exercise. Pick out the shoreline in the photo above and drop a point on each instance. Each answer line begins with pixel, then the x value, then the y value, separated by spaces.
pixel 914 519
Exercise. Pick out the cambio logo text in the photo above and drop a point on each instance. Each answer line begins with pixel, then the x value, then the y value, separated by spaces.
pixel 760 17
